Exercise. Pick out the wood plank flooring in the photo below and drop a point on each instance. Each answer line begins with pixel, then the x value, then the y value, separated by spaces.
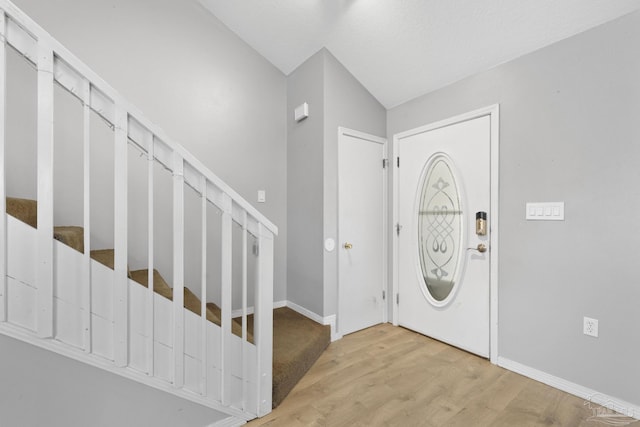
pixel 389 376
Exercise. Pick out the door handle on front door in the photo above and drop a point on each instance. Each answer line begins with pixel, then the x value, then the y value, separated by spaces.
pixel 482 248
pixel 347 245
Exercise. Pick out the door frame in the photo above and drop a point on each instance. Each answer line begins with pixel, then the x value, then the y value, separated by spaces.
pixel 344 132
pixel 493 111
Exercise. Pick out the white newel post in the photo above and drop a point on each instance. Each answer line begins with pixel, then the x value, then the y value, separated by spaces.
pixel 3 194
pixel 263 318
pixel 226 293
pixel 44 273
pixel 178 270
pixel 121 279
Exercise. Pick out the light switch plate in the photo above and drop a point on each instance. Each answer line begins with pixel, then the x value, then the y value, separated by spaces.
pixel 545 211
pixel 262 196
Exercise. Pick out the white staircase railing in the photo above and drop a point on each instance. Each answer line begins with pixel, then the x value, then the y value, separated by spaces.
pixel 56 65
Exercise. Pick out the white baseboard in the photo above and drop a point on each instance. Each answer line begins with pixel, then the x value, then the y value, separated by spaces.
pixel 589 395
pixel 327 320
pixel 228 422
pixel 251 310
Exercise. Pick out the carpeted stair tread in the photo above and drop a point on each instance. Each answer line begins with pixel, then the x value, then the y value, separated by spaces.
pixel 297 343
pixel 236 323
pixel 161 287
pixel 106 257
pixel 70 235
pixel 25 210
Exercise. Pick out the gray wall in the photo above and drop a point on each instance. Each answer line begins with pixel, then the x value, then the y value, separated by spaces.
pixel 194 78
pixel 568 132
pixel 347 104
pixel 41 388
pixel 305 156
pixel 335 99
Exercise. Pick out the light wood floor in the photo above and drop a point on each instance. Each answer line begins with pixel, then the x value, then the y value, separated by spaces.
pixel 389 376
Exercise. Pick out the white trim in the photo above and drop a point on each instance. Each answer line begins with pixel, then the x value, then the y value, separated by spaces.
pixel 250 310
pixel 494 112
pixel 278 304
pixel 228 422
pixel 327 320
pixel 578 390
pixel 342 132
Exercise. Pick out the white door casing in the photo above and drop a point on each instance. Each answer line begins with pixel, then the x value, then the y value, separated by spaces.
pixel 362 219
pixel 468 144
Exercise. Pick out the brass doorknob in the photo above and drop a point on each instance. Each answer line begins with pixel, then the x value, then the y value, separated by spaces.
pixel 347 245
pixel 482 248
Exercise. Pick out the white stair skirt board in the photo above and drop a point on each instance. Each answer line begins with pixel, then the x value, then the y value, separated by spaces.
pixel 68 338
pixel 589 395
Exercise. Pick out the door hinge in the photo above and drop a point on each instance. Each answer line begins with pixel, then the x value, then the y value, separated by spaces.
pixel 384 295
pixel 256 249
pixel 385 163
pixel 398 299
pixel 398 228
pixel 398 161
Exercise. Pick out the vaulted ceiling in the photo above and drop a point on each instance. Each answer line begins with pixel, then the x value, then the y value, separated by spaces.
pixel 401 49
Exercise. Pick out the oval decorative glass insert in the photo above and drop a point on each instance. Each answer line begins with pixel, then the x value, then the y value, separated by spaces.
pixel 439 228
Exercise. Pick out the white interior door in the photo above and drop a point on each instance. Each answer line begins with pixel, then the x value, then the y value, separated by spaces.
pixel 361 234
pixel 443 273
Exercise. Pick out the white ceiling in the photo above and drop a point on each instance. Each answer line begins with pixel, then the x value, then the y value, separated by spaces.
pixel 400 49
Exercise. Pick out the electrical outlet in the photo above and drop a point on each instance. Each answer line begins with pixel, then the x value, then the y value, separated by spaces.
pixel 590 327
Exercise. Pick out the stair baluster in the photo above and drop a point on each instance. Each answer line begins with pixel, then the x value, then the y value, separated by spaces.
pixel 44 276
pixel 226 295
pixel 3 194
pixel 178 270
pixel 87 328
pixel 150 327
pixel 121 221
pixel 203 288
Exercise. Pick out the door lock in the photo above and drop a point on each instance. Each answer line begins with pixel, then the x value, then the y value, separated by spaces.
pixel 347 245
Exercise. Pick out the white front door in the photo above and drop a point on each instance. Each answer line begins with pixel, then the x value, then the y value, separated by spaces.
pixel 361 232
pixel 443 268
